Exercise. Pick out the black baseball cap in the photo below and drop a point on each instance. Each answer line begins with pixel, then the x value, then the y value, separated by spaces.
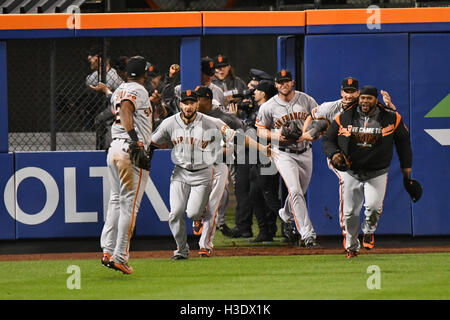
pixel 350 83
pixel 202 91
pixel 94 51
pixel 369 90
pixel 136 67
pixel 258 75
pixel 208 66
pixel 152 69
pixel 283 74
pixel 220 61
pixel 187 95
pixel 267 87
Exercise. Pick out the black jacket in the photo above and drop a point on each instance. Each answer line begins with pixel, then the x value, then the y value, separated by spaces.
pixel 343 136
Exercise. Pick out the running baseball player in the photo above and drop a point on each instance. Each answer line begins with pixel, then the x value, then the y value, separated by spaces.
pixel 324 115
pixel 213 216
pixel 359 144
pixel 287 111
pixel 131 134
pixel 196 140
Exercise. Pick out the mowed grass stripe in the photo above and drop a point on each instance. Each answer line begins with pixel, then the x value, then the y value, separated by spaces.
pixel 405 276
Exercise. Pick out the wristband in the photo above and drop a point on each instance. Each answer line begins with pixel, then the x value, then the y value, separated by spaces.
pixel 133 135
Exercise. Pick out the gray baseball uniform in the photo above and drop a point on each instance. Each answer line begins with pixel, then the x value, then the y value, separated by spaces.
pixel 127 181
pixel 294 162
pixel 196 147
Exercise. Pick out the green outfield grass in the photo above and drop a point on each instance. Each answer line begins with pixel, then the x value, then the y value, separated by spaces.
pixel 405 276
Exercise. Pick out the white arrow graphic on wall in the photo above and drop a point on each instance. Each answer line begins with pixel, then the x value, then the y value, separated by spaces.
pixel 441 110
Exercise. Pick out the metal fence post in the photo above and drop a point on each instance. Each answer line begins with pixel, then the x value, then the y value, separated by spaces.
pixel 4 143
pixel 52 95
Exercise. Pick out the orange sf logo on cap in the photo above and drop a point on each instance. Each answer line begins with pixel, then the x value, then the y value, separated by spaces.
pixel 283 73
pixel 220 58
pixel 211 64
pixel 350 81
pixel 188 92
pixel 150 68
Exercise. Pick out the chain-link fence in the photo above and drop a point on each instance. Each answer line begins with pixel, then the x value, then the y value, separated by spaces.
pixel 51 106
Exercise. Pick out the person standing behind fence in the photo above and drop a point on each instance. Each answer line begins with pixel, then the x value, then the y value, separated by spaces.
pixel 96 105
pixel 132 126
pixel 226 79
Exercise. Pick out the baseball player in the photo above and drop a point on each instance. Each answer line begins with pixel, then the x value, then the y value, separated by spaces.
pixel 324 115
pixel 196 140
pixel 359 144
pixel 294 162
pixel 213 215
pixel 132 126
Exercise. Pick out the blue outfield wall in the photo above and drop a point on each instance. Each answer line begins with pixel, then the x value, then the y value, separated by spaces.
pixel 377 59
pixel 429 85
pixel 65 194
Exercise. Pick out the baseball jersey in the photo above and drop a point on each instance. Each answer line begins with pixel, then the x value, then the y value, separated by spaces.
pixel 113 80
pixel 275 112
pixel 328 110
pixel 196 145
pixel 142 115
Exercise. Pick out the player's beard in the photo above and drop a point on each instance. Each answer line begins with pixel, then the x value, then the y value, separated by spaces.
pixel 190 116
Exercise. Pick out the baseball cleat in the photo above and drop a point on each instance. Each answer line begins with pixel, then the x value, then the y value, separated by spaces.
pixel 291 233
pixel 352 254
pixel 204 252
pixel 311 242
pixel 197 227
pixel 178 257
pixel 368 241
pixel 124 267
pixel 106 259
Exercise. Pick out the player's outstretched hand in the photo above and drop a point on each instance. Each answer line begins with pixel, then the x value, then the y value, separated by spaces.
pixel 173 70
pixel 101 88
pixel 387 100
pixel 306 136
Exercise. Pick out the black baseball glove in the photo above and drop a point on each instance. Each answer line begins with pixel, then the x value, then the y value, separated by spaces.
pixel 340 161
pixel 291 131
pixel 413 187
pixel 139 156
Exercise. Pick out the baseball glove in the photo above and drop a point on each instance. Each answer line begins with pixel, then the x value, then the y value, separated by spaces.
pixel 291 131
pixel 413 187
pixel 139 156
pixel 340 161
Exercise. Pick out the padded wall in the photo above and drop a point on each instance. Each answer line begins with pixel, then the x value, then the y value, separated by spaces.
pixel 430 112
pixel 380 60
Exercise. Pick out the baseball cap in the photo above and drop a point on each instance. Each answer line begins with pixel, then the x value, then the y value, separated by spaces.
pixel 220 61
pixel 94 51
pixel 350 83
pixel 208 66
pixel 283 74
pixel 202 91
pixel 188 95
pixel 267 87
pixel 369 90
pixel 152 69
pixel 258 75
pixel 136 67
